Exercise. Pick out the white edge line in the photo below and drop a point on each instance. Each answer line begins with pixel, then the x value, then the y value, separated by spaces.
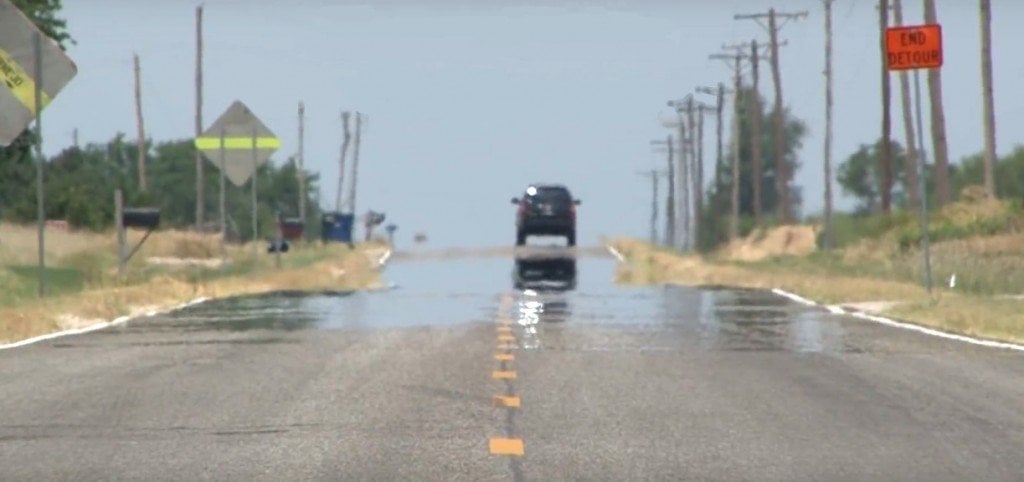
pixel 795 297
pixel 96 326
pixel 905 326
pixel 384 258
pixel 611 249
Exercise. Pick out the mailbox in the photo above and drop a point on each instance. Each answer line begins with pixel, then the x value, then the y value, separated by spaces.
pixel 292 229
pixel 146 218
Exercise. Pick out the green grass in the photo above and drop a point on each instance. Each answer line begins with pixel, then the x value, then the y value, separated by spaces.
pixel 21 282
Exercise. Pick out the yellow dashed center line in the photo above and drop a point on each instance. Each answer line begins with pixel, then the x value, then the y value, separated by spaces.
pixel 507 342
pixel 503 375
pixel 506 446
pixel 507 401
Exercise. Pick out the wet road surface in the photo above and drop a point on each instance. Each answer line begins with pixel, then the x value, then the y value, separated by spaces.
pixel 456 374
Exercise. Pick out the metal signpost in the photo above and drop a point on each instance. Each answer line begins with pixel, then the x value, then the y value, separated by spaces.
pixel 911 48
pixel 241 143
pixel 23 95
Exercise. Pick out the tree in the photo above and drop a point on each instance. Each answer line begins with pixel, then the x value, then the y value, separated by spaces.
pixel 794 133
pixel 46 15
pixel 861 176
pixel 1009 173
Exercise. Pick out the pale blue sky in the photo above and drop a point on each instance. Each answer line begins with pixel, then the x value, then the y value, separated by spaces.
pixel 471 100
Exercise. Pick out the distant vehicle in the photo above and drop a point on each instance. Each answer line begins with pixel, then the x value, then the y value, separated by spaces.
pixel 546 209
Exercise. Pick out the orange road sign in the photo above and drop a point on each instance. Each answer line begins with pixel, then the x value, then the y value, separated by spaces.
pixel 913 47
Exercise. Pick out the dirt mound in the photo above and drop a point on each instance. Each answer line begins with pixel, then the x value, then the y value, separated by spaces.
pixel 796 240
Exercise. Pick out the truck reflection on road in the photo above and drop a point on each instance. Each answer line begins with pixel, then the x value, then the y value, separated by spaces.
pixel 545 273
pixel 543 283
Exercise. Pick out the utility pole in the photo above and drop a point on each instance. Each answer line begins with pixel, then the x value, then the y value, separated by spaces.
pixel 988 101
pixel 913 199
pixel 781 174
pixel 346 138
pixel 301 160
pixel 699 181
pixel 683 159
pixel 755 129
pixel 829 232
pixel 200 175
pixel 670 202
pixel 74 137
pixel 653 174
pixel 140 126
pixel 886 154
pixel 355 163
pixel 754 107
pixel 719 94
pixel 695 191
pixel 737 68
pixel 938 121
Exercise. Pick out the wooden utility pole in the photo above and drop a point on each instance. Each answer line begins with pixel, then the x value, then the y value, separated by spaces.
pixel 699 181
pixel 301 160
pixel 719 94
pixel 782 172
pixel 653 174
pixel 885 156
pixel 355 163
pixel 734 219
pixel 910 167
pixel 737 69
pixel 988 102
pixel 684 178
pixel 670 201
pixel 755 130
pixel 346 138
pixel 670 208
pixel 200 175
pixel 829 232
pixel 938 120
pixel 140 126
pixel 694 187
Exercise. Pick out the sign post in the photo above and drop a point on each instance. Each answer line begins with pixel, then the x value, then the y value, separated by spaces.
pixel 910 48
pixel 23 95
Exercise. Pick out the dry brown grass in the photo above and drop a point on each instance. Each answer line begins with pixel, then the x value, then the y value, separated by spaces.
pixel 974 315
pixel 777 241
pixel 312 268
pixel 18 243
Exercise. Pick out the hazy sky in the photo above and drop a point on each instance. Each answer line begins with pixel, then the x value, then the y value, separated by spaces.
pixel 468 101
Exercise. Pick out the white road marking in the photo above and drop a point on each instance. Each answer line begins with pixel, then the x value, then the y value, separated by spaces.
pixel 616 253
pixel 96 326
pixel 899 324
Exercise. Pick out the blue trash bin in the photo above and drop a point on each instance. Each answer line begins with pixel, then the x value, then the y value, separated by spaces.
pixel 337 227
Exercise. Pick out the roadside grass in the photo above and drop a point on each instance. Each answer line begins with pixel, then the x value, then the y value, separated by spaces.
pixel 83 286
pixel 984 303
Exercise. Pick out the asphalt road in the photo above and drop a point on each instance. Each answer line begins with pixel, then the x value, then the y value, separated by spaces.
pixel 611 383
